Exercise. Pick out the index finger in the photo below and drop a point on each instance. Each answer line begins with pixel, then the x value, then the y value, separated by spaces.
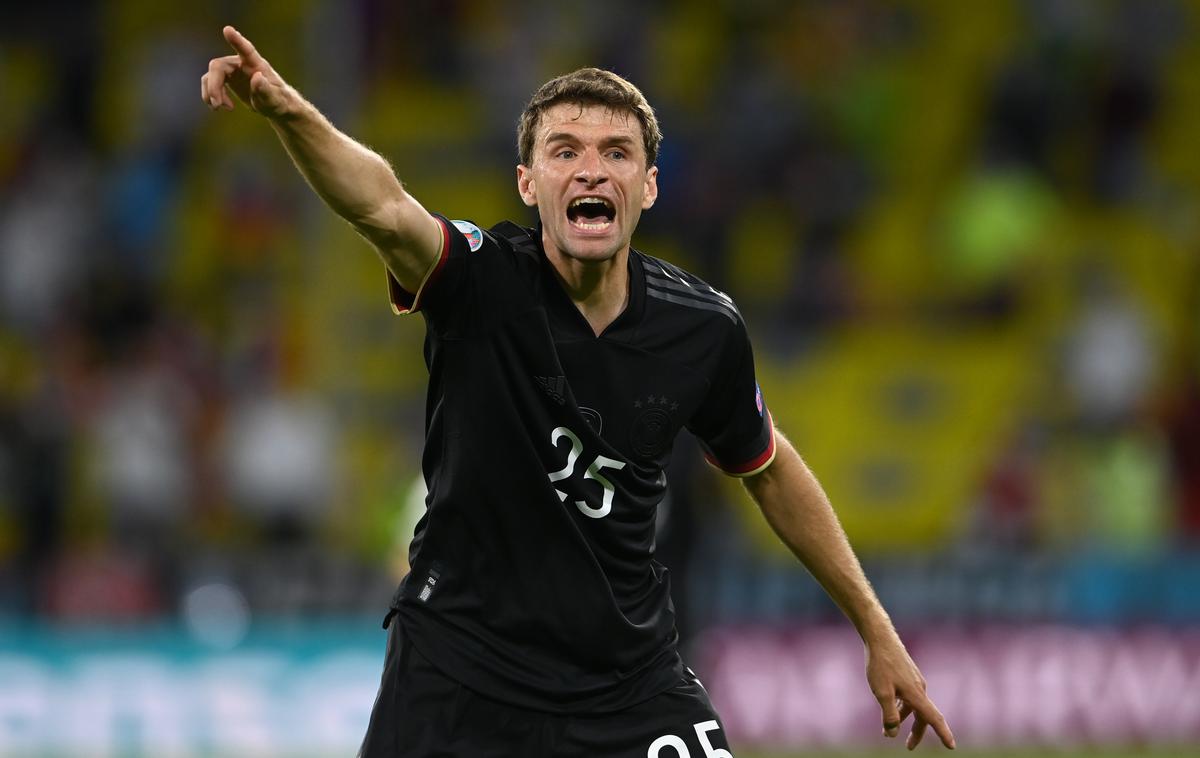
pixel 242 45
pixel 932 716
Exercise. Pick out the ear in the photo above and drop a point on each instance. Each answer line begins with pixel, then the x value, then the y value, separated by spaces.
pixel 526 187
pixel 651 188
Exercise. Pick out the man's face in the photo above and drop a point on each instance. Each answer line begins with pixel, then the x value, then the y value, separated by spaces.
pixel 588 179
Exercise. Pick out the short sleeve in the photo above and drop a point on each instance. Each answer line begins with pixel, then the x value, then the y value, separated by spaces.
pixel 733 423
pixel 455 246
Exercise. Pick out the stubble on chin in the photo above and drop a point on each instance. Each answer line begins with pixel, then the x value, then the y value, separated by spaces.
pixel 590 254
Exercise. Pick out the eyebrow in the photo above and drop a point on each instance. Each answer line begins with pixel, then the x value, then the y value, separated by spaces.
pixel 569 137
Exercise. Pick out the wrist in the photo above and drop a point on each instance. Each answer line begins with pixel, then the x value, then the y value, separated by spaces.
pixel 876 627
pixel 290 109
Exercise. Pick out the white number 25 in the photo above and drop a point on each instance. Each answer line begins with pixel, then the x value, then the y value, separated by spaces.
pixel 680 748
pixel 593 472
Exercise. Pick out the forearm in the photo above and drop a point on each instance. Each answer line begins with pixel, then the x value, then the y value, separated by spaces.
pixel 360 186
pixel 355 182
pixel 798 510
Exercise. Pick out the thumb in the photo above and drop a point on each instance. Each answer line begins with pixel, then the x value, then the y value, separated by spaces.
pixel 259 84
pixel 266 95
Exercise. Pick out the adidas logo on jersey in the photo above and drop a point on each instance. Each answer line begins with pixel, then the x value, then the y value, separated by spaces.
pixel 554 386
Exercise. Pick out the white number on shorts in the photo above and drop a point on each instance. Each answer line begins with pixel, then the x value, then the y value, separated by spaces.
pixel 702 730
pixel 665 740
pixel 593 472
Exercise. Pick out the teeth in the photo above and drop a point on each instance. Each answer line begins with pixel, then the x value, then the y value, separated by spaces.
pixel 592 227
pixel 596 200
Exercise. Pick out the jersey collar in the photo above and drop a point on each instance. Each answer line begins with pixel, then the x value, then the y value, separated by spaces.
pixel 565 317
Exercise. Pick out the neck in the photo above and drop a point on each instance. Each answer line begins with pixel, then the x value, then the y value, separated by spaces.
pixel 599 289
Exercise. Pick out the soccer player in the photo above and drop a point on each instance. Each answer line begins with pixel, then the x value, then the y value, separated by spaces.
pixel 562 363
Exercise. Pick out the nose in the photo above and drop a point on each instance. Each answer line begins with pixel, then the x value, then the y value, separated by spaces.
pixel 591 170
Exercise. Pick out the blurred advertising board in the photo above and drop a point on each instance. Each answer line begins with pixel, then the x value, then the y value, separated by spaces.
pixel 307 688
pixel 997 686
pixel 294 689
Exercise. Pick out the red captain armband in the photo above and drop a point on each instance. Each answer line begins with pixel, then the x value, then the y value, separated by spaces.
pixel 754 465
pixel 405 302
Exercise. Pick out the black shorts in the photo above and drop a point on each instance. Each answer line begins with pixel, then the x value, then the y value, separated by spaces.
pixel 421 713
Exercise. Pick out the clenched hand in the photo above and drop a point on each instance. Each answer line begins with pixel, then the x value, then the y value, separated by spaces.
pixel 250 77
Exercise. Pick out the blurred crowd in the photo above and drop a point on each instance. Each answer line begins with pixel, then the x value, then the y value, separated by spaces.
pixel 981 221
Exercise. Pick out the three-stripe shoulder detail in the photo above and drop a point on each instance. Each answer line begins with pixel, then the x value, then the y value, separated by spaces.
pixel 672 285
pixel 519 237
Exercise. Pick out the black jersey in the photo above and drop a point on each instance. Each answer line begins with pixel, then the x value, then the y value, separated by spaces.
pixel 533 579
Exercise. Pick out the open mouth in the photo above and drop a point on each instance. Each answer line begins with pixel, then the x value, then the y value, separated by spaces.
pixel 591 214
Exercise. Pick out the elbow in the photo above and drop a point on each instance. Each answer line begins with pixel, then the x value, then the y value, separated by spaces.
pixel 760 483
pixel 386 224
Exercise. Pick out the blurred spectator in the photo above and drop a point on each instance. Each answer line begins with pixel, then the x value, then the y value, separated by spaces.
pixel 1127 95
pixel 46 232
pixel 141 446
pixel 1111 362
pixel 1005 516
pixel 1127 491
pixel 996 223
pixel 1184 433
pixel 34 451
pixel 99 582
pixel 1182 425
pixel 279 461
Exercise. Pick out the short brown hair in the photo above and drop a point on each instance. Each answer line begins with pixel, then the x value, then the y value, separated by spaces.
pixel 588 86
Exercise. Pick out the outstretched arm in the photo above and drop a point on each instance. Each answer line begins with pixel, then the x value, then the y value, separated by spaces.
pixel 357 183
pixel 797 509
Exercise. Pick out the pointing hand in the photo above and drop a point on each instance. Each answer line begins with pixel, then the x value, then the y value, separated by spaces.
pixel 900 689
pixel 249 76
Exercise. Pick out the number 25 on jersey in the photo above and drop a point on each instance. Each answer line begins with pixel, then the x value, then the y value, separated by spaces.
pixel 593 472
